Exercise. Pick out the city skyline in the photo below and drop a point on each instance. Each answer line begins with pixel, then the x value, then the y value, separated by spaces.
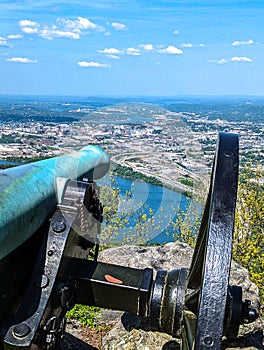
pixel 131 48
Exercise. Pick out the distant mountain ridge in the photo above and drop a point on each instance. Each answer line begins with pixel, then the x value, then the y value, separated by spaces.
pixel 59 109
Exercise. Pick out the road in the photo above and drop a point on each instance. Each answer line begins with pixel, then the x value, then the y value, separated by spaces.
pixel 124 159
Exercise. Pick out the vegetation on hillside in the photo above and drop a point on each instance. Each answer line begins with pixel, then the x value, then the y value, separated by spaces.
pixel 128 172
pixel 248 247
pixel 248 241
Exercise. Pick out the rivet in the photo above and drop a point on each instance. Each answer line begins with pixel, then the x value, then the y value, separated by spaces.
pixel 59 226
pixel 41 281
pixel 208 340
pixel 228 154
pixel 50 252
pixel 21 330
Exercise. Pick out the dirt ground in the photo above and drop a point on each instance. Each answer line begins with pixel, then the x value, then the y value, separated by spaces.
pixel 83 338
pixel 79 337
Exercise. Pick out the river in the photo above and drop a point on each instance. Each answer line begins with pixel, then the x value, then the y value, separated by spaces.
pixel 2 161
pixel 159 203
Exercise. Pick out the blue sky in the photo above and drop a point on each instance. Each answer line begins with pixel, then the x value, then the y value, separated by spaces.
pixel 132 47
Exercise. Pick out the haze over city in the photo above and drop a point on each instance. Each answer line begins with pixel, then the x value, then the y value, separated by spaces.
pixel 109 47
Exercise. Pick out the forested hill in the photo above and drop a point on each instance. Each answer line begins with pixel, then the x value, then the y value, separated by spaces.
pixel 233 110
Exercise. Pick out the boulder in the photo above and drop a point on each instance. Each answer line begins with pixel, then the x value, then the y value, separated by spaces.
pixel 127 335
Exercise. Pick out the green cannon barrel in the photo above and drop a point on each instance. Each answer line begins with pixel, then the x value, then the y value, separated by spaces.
pixel 29 193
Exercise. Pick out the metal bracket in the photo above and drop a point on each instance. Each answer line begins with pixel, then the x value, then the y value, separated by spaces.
pixel 49 295
pixel 31 313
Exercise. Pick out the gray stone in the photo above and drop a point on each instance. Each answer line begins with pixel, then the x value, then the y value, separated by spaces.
pixel 126 335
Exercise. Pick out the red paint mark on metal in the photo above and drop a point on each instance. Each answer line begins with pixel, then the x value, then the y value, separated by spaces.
pixel 112 279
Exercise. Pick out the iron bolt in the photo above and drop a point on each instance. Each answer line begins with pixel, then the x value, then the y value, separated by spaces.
pixel 59 226
pixel 50 252
pixel 249 314
pixel 228 154
pixel 42 281
pixel 208 340
pixel 252 315
pixel 21 330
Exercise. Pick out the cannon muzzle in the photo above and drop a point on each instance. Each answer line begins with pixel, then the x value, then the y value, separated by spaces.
pixel 30 193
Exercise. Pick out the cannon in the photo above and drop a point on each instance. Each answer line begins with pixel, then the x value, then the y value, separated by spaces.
pixel 50 221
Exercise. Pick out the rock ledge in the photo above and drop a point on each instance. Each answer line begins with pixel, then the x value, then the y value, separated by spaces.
pixel 126 335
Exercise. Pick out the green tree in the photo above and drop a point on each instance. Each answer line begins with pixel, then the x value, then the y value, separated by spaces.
pixel 248 240
pixel 248 247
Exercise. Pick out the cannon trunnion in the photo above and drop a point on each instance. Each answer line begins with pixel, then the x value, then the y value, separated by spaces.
pixel 57 267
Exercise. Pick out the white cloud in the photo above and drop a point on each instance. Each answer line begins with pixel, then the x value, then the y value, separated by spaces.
pixel 3 42
pixel 176 32
pixel 118 26
pixel 220 61
pixel 21 60
pixel 50 33
pixel 187 45
pixel 79 23
pixel 147 47
pixel 241 59
pixel 64 28
pixel 239 43
pixel 201 45
pixel 30 30
pixel 110 51
pixel 233 59
pixel 114 57
pixel 85 23
pixel 28 23
pixel 132 51
pixel 29 27
pixel 93 64
pixel 172 50
pixel 15 36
